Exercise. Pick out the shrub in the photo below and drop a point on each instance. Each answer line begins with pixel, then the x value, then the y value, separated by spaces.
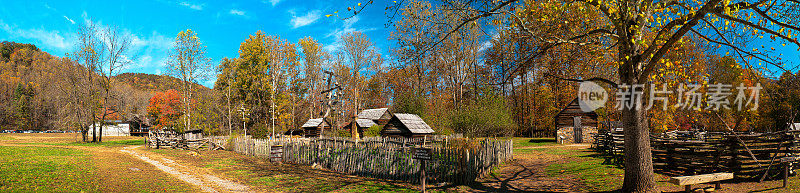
pixel 487 115
pixel 373 131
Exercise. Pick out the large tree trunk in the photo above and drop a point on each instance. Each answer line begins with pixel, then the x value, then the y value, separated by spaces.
pixel 638 157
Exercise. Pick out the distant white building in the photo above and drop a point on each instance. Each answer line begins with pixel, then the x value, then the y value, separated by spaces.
pixel 112 128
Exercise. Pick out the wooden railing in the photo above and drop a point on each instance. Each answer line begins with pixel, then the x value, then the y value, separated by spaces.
pixel 747 155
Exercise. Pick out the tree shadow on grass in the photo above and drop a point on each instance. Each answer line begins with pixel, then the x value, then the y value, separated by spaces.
pixel 607 159
pixel 504 182
pixel 542 140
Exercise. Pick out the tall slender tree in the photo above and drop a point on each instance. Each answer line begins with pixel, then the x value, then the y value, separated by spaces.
pixel 188 62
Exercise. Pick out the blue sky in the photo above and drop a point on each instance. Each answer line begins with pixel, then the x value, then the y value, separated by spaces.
pixel 221 25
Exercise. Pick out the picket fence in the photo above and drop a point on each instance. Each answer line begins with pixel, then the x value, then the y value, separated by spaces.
pixel 454 160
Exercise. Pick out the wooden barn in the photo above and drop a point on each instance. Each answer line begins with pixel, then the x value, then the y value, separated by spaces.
pixel 313 127
pixel 575 126
pixel 406 125
pixel 368 118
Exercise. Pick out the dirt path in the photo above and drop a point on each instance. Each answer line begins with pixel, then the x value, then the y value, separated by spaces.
pixel 526 173
pixel 197 177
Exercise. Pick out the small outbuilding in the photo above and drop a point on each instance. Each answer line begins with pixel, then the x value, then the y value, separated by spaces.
pixel 406 125
pixel 111 128
pixel 139 125
pixel 368 118
pixel 313 127
pixel 573 125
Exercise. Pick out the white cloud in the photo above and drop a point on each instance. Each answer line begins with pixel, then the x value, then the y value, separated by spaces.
pixel 488 43
pixel 52 39
pixel 273 2
pixel 301 21
pixel 237 12
pixel 485 45
pixel 153 50
pixel 48 7
pixel 70 20
pixel 193 6
pixel 336 34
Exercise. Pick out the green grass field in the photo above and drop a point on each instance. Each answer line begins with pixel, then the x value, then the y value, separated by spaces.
pixel 100 144
pixel 522 142
pixel 588 167
pixel 37 169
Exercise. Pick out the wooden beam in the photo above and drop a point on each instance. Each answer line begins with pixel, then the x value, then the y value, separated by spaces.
pixel 789 159
pixel 699 179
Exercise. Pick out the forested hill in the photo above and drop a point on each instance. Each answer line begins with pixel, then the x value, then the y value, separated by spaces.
pixel 152 82
pixel 39 91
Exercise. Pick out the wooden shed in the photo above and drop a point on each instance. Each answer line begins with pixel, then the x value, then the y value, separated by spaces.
pixel 406 125
pixel 573 125
pixel 313 127
pixel 360 125
pixel 368 118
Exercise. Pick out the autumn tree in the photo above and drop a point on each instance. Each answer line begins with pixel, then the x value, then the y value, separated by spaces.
pixel 103 51
pixel 166 107
pixel 360 54
pixel 189 63
pixel 259 78
pixel 313 59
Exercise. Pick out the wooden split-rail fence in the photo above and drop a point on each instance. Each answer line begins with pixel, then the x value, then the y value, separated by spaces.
pixel 453 160
pixel 747 155
pixel 172 140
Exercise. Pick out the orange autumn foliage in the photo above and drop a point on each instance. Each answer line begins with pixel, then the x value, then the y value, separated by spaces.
pixel 166 107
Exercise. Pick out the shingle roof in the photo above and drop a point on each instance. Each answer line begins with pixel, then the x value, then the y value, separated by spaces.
pixel 372 114
pixel 365 122
pixel 414 123
pixel 314 123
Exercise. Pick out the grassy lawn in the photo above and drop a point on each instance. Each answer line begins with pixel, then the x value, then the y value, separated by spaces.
pixel 107 143
pixel 592 169
pixel 587 166
pixel 55 163
pixel 37 169
pixel 522 142
pixel 261 175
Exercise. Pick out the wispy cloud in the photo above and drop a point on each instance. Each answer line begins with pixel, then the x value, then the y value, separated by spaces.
pixel 273 2
pixel 49 38
pixel 336 34
pixel 308 18
pixel 70 20
pixel 488 43
pixel 152 50
pixel 193 5
pixel 237 12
